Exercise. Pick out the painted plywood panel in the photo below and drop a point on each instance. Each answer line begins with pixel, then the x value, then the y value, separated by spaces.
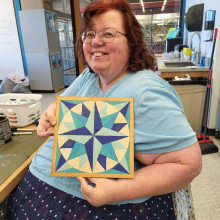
pixel 94 137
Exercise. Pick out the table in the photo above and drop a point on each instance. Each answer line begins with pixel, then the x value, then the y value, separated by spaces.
pixel 15 158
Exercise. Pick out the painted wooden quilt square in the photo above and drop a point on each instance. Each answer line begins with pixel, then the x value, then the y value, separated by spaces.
pixel 94 137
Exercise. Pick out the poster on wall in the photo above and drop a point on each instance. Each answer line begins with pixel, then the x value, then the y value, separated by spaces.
pixel 11 61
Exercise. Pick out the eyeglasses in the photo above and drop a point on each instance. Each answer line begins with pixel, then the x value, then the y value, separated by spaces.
pixel 106 35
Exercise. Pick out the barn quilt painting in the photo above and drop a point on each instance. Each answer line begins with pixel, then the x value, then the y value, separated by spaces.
pixel 94 137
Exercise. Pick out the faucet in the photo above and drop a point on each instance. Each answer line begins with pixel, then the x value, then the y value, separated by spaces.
pixel 198 53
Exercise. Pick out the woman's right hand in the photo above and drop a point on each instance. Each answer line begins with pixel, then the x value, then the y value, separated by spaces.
pixel 47 121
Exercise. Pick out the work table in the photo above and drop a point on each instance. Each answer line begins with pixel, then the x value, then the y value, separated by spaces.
pixel 171 72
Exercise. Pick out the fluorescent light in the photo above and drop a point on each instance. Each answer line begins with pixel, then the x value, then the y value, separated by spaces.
pixel 142 5
pixel 164 5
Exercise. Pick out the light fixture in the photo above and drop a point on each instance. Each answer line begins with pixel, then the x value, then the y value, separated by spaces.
pixel 164 5
pixel 142 5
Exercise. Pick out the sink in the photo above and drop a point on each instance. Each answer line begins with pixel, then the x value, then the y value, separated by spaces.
pixel 179 64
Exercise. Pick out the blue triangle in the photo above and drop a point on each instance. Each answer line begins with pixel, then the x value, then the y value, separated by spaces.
pixel 69 105
pixel 97 123
pixel 102 160
pixel 118 126
pixel 78 131
pixel 109 139
pixel 68 144
pixel 61 162
pixel 119 167
pixel 89 150
pixel 124 110
pixel 85 111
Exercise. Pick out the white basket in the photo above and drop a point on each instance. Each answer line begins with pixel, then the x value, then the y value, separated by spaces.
pixel 21 109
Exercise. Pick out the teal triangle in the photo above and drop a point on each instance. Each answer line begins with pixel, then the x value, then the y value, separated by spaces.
pixel 112 171
pixel 71 170
pixel 109 120
pixel 108 151
pixel 60 115
pixel 81 119
pixel 128 116
pixel 124 163
pixel 77 150
pixel 58 153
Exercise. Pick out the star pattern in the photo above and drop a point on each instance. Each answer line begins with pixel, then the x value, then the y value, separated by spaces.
pixel 93 137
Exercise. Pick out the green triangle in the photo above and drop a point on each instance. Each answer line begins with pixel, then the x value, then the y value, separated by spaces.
pixel 64 108
pixel 121 105
pixel 96 150
pixel 69 125
pixel 108 132
pixel 64 167
pixel 108 151
pixel 118 145
pixel 127 156
pixel 104 111
pixel 83 160
pixel 90 121
pixel 78 138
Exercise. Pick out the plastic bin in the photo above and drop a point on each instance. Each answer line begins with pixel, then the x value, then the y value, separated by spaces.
pixel 21 109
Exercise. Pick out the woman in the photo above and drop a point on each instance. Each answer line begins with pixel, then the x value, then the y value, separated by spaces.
pixel 167 155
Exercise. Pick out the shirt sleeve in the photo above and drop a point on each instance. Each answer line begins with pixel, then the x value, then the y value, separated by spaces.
pixel 160 123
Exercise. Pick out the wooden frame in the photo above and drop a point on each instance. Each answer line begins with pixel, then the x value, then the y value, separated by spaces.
pixel 94 137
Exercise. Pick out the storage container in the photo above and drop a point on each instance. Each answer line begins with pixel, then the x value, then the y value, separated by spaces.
pixel 21 109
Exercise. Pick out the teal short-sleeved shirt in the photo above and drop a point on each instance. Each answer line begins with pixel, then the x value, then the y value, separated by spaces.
pixel 159 122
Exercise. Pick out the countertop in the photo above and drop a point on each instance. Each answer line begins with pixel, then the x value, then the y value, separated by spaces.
pixel 163 68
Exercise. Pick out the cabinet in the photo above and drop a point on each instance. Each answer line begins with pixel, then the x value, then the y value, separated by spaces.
pixel 193 98
pixel 42 49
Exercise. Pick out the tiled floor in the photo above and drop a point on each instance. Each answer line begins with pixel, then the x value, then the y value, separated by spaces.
pixel 205 188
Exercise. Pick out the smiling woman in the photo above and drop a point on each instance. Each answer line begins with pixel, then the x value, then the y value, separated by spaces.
pixel 166 154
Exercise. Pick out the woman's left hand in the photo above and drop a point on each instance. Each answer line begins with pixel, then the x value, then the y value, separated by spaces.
pixel 104 191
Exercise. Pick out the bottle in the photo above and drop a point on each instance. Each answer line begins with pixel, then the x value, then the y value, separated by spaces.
pixel 202 63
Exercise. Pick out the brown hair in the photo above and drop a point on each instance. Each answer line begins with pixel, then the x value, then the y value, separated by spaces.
pixel 140 56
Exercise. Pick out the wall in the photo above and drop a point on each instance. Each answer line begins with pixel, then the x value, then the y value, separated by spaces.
pixel 11 62
pixel 207 47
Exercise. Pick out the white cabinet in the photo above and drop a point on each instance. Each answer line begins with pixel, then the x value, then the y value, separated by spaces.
pixel 42 49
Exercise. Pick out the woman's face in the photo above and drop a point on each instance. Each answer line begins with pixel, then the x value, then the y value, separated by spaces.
pixel 109 60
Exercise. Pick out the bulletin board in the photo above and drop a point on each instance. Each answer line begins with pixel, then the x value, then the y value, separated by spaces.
pixel 94 137
pixel 11 62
